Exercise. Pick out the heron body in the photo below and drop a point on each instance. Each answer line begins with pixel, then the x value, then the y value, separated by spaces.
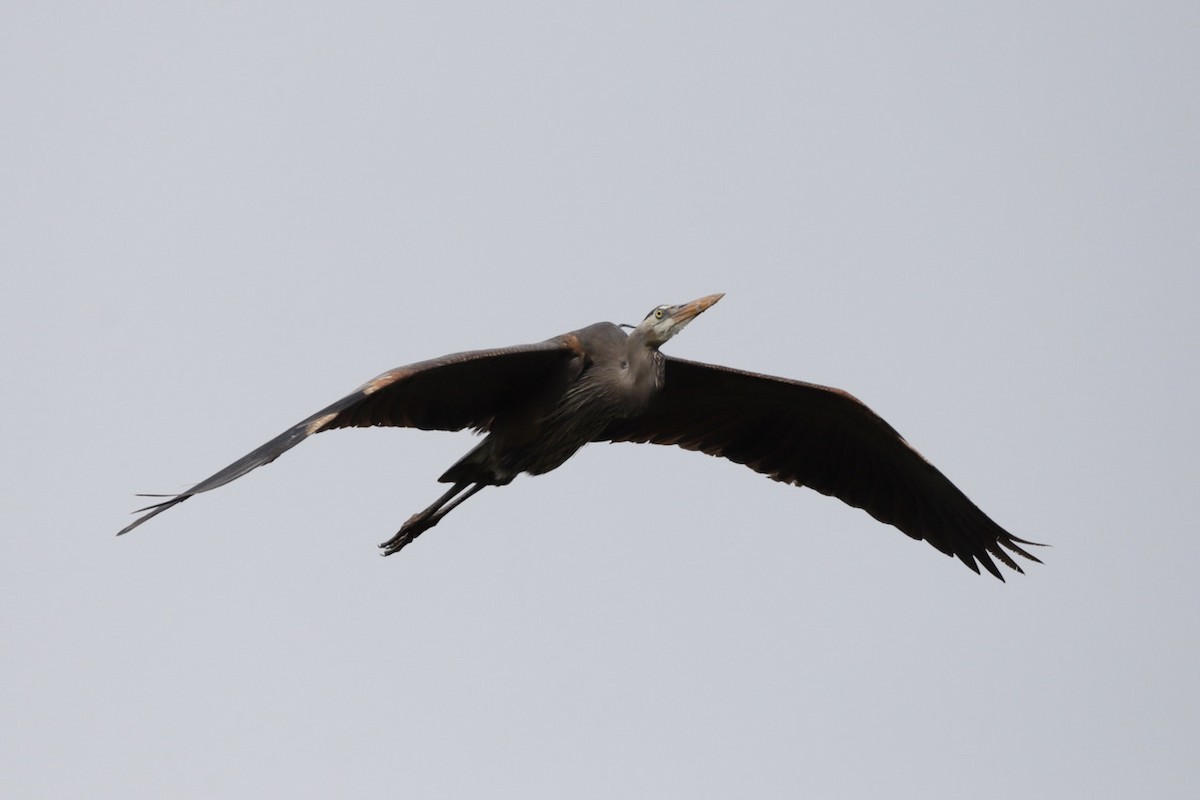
pixel 575 402
pixel 538 404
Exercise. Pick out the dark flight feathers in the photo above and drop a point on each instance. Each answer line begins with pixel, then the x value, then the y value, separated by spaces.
pixel 457 391
pixel 823 438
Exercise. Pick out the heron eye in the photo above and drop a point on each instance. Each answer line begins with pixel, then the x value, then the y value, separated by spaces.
pixel 658 312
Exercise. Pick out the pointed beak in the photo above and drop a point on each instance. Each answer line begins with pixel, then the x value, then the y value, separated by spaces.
pixel 689 311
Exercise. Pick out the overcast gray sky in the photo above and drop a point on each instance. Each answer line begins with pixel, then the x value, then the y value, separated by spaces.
pixel 219 217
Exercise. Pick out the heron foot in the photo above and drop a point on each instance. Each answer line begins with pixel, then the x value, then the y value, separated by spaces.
pixel 424 520
pixel 415 525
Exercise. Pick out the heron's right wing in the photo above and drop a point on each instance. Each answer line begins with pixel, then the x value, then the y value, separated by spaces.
pixel 461 390
pixel 810 435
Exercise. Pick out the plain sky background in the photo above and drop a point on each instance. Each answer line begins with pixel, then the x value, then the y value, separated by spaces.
pixel 981 219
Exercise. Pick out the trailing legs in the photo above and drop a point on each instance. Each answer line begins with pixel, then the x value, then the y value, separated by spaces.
pixel 424 520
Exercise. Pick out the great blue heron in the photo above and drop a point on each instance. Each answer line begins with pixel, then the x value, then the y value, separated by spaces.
pixel 540 403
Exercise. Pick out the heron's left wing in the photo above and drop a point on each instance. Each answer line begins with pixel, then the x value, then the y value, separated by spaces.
pixel 456 391
pixel 824 438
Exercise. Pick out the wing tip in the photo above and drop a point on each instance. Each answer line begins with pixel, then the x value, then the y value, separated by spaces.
pixel 154 509
pixel 1000 548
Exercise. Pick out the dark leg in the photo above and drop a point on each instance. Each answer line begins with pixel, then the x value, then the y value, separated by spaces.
pixel 424 520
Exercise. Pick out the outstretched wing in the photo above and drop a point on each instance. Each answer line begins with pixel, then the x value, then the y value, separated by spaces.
pixel 461 390
pixel 810 435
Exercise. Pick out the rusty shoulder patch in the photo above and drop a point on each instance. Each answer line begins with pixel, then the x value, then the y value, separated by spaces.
pixel 572 342
pixel 386 379
pixel 320 422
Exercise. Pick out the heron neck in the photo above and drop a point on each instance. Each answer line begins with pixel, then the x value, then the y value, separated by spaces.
pixel 643 364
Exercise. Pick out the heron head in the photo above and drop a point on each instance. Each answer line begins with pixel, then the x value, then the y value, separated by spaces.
pixel 664 322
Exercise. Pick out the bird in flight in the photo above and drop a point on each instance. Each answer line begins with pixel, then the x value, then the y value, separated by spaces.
pixel 540 403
